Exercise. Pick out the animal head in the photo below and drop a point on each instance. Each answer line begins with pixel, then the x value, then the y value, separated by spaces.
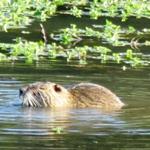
pixel 44 94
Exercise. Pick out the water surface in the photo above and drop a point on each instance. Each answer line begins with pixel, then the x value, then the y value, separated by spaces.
pixel 30 128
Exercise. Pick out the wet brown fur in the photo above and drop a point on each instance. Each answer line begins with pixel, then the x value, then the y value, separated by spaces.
pixel 48 94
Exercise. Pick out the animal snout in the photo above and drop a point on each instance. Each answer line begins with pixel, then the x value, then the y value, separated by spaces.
pixel 22 91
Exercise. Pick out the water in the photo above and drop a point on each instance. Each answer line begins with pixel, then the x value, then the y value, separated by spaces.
pixel 30 128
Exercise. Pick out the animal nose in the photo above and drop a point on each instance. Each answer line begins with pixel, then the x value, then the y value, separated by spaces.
pixel 21 91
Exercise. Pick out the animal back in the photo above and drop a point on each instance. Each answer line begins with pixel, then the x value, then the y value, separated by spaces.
pixel 93 95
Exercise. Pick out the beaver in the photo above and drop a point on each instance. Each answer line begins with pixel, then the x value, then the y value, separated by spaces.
pixel 49 94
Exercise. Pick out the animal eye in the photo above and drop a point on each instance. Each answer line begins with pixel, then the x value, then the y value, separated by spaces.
pixel 57 88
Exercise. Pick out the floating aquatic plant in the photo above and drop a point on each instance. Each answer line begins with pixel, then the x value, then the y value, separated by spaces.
pixel 74 42
pixel 58 130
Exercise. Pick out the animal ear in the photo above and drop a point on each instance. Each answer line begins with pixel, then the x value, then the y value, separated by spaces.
pixel 57 88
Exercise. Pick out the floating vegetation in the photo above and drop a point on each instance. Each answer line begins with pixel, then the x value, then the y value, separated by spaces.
pixel 97 41
pixel 58 130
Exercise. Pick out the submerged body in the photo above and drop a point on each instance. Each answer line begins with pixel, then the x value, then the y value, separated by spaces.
pixel 48 94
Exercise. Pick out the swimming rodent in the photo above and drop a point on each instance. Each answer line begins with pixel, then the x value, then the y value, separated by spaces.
pixel 52 95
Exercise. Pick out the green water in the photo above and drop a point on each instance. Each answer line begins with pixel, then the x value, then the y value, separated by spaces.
pixel 27 128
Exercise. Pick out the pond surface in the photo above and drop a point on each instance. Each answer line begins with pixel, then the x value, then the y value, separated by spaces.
pixel 28 128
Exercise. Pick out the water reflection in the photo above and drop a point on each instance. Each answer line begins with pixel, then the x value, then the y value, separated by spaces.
pixel 82 128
